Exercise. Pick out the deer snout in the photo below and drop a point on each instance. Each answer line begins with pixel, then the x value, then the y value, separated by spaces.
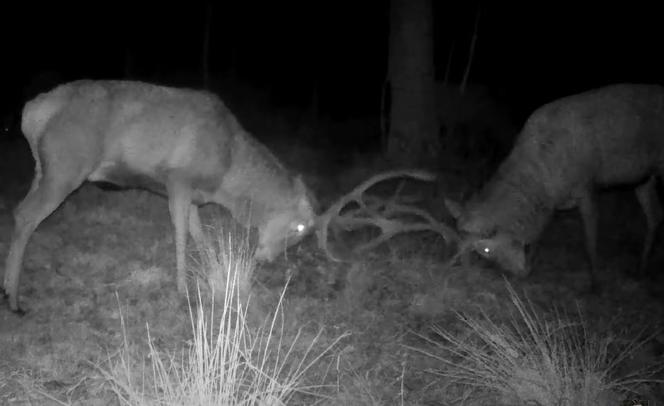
pixel 265 254
pixel 503 250
pixel 519 269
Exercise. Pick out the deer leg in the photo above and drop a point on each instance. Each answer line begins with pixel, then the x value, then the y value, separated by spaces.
pixel 646 194
pixel 45 195
pixel 531 252
pixel 195 227
pixel 588 209
pixel 179 204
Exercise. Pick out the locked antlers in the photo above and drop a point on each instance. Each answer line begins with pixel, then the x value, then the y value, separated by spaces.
pixel 391 216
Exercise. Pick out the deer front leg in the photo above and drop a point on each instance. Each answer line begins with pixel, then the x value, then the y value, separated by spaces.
pixel 646 194
pixel 196 228
pixel 179 203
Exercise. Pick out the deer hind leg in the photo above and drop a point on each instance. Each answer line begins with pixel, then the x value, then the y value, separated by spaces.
pixel 588 209
pixel 46 193
pixel 179 204
pixel 646 194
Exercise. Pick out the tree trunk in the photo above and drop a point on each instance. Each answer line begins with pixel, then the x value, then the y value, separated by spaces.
pixel 413 133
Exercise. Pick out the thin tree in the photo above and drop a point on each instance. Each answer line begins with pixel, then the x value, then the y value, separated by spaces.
pixel 206 46
pixel 471 53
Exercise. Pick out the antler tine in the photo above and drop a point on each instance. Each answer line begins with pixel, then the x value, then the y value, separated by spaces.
pixel 380 177
pixel 448 233
pixel 390 228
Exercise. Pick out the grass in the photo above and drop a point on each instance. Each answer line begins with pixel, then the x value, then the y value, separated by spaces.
pixel 539 358
pixel 101 242
pixel 227 362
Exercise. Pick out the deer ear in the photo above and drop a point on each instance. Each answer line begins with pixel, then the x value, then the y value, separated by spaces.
pixel 455 209
pixel 304 205
pixel 306 202
pixel 300 187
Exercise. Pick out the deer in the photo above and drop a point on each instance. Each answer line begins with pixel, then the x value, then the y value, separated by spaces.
pixel 186 145
pixel 566 151
pixel 181 143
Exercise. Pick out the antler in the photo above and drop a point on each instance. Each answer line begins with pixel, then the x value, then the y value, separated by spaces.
pixel 380 213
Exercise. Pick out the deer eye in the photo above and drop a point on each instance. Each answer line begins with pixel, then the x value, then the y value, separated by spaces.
pixel 298 228
pixel 484 250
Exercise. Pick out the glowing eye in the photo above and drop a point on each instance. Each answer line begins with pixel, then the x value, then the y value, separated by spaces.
pixel 300 228
pixel 486 250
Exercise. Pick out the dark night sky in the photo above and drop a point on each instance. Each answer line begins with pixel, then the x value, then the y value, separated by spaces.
pixel 526 54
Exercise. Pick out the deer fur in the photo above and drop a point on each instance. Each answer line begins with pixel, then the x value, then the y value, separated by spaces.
pixel 182 143
pixel 566 150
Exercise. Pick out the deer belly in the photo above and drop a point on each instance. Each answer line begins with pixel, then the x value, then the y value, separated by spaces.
pixel 625 169
pixel 120 175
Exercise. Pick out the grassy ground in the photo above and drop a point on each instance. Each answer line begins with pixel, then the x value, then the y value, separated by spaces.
pixel 395 327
